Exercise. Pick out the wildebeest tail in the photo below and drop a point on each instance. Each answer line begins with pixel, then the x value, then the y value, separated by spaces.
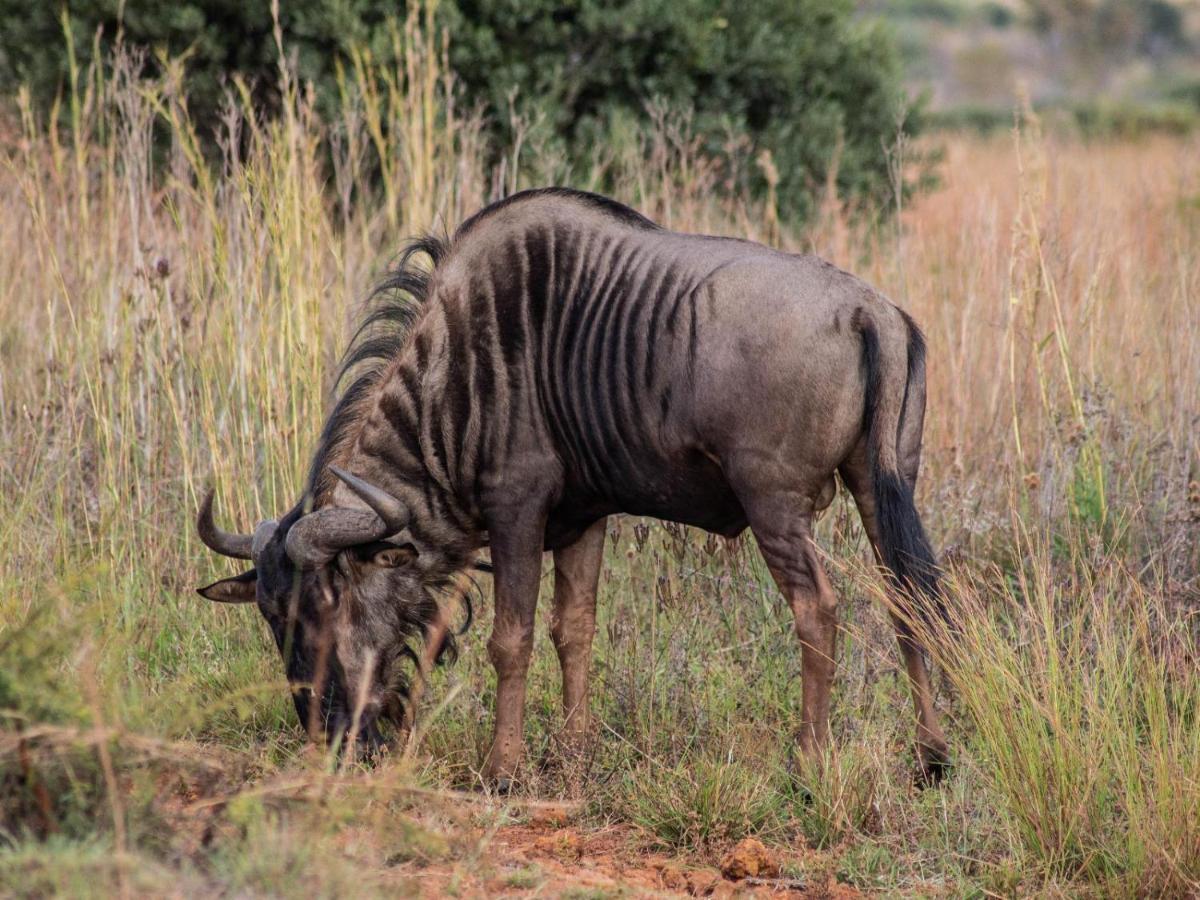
pixel 894 407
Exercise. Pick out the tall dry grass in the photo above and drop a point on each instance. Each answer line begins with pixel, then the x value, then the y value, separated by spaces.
pixel 170 317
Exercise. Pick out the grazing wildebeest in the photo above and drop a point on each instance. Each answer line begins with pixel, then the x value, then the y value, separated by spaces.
pixel 569 359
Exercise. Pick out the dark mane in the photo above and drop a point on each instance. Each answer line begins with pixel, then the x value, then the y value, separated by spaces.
pixel 389 313
pixel 610 207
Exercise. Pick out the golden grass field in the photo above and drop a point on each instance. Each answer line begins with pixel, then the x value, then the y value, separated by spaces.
pixel 170 320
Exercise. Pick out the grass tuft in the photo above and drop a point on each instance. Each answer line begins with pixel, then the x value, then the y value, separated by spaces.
pixel 705 801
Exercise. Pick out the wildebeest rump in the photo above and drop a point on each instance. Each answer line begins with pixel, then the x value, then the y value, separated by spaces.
pixel 564 360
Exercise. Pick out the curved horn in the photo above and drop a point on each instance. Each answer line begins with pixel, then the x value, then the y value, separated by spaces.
pixel 227 543
pixel 391 510
pixel 315 538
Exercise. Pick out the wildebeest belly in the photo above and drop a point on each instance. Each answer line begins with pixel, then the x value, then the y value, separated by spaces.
pixel 690 489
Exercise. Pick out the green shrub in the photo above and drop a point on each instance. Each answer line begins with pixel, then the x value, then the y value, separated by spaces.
pixel 982 120
pixel 803 79
pixel 800 79
pixel 1127 120
pixel 1185 91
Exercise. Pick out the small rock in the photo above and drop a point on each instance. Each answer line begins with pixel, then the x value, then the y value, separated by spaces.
pixel 749 859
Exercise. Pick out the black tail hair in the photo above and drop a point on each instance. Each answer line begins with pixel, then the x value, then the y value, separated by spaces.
pixel 903 543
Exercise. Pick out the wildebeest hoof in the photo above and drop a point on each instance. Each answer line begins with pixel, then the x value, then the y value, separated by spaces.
pixel 932 768
pixel 799 770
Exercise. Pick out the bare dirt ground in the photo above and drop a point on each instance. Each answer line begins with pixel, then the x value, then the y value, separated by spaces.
pixel 401 839
pixel 552 855
pixel 611 861
pixel 494 848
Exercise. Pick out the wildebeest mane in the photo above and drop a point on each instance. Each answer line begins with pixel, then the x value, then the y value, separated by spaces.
pixel 394 305
pixel 389 313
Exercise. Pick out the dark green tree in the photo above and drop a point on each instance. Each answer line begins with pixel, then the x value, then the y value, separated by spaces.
pixel 798 77
pixel 805 79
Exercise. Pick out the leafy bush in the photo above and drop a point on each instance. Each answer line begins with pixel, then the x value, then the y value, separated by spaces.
pixel 803 80
pixel 973 118
pixel 1186 91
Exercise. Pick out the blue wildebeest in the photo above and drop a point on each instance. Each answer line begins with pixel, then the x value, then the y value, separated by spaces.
pixel 564 360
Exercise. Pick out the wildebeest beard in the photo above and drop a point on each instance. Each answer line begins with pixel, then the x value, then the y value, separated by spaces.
pixel 424 639
pixel 313 670
pixel 303 632
pixel 421 619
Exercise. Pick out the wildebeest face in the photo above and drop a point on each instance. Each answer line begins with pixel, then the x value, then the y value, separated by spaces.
pixel 340 601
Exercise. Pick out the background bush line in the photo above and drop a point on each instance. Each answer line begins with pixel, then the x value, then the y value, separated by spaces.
pixel 1094 121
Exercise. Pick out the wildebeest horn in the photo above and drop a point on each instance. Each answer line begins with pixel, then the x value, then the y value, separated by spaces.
pixel 314 539
pixel 391 510
pixel 239 546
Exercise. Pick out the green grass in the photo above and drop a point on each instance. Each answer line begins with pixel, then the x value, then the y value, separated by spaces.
pixel 161 329
pixel 705 801
pixel 525 879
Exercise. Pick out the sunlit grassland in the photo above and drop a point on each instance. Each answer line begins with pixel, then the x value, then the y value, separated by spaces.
pixel 171 318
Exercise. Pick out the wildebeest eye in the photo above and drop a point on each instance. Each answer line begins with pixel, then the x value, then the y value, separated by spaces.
pixel 391 557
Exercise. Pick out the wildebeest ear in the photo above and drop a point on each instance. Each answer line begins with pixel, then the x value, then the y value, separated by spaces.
pixel 238 589
pixel 394 557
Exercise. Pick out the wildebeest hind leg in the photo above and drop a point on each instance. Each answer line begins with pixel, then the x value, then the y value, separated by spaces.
pixel 573 625
pixel 782 526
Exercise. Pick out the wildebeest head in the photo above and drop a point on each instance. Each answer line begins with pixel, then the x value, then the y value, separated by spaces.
pixel 341 597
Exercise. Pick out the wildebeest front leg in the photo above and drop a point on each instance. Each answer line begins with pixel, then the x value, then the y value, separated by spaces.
pixel 573 624
pixel 516 547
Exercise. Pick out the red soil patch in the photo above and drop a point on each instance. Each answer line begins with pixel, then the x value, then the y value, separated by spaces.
pixel 549 860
